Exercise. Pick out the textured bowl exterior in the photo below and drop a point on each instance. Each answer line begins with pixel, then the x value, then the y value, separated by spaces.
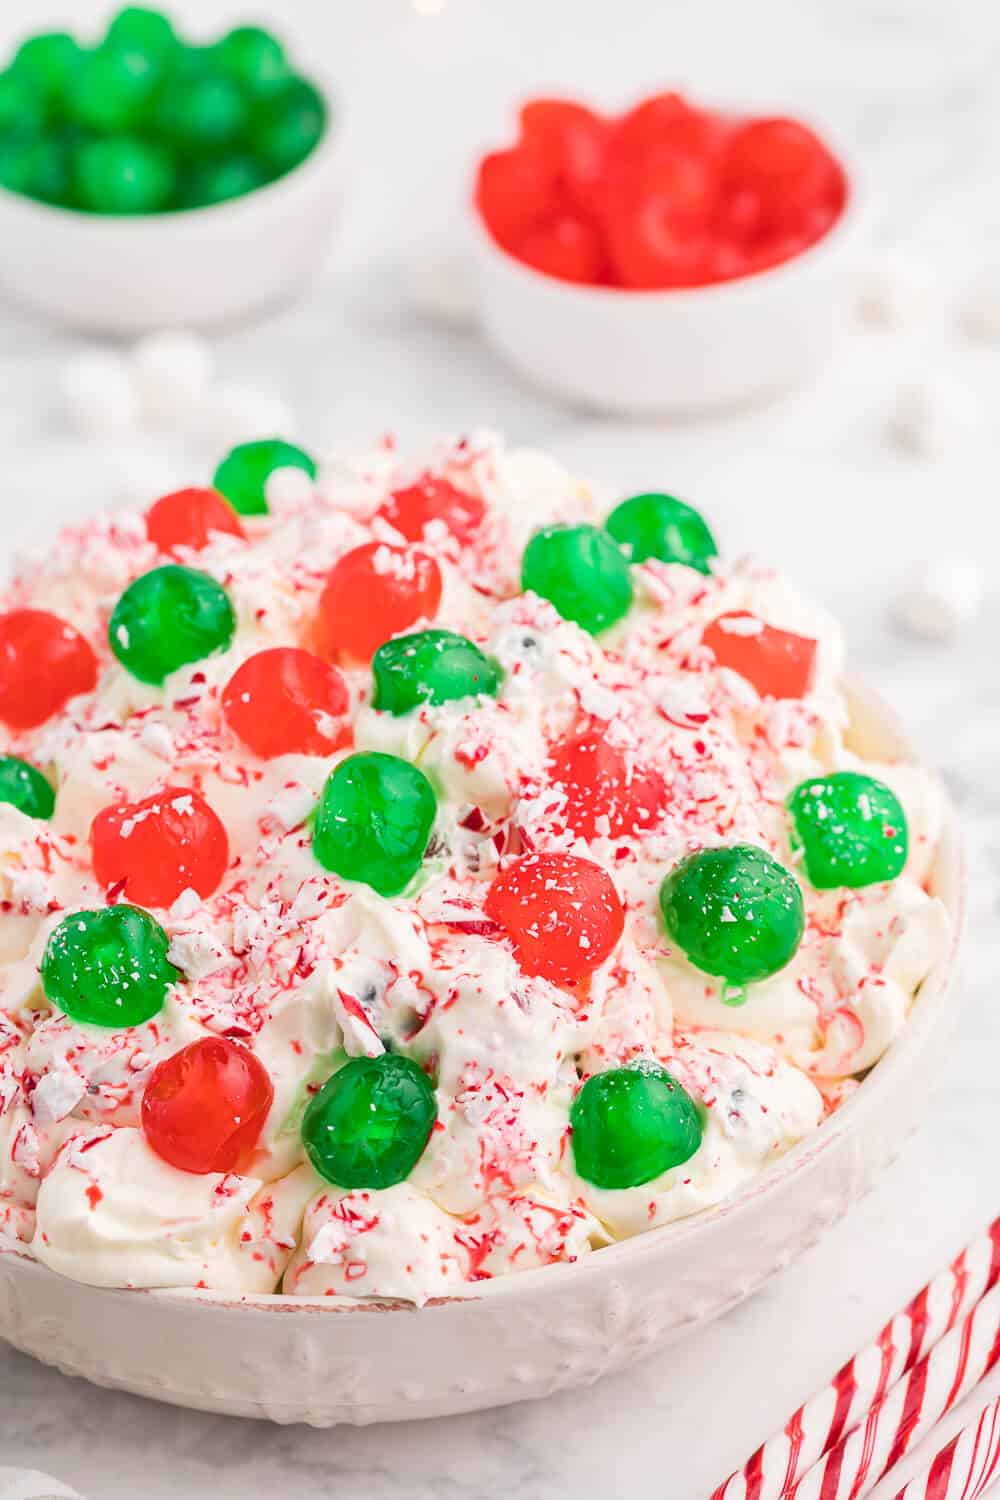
pixel 293 1360
pixel 194 269
pixel 678 352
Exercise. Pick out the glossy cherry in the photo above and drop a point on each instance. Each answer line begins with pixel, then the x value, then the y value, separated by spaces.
pixel 513 192
pixel 286 701
pixel 190 518
pixel 572 140
pixel 205 1107
pixel 564 245
pixel 606 792
pixel 153 850
pixel 374 592
pixel 43 663
pixel 561 913
pixel 430 502
pixel 779 663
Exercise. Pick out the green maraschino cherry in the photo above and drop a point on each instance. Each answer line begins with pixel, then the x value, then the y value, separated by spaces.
pixel 374 821
pixel 431 666
pixel 581 571
pixel 735 912
pixel 369 1124
pixel 663 527
pixel 108 967
pixel 243 474
pixel 632 1124
pixel 167 618
pixel 254 59
pixel 851 829
pixel 25 788
pixel 121 175
pixel 47 62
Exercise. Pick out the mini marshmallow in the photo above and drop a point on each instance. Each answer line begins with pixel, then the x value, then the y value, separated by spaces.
pixel 240 413
pixel 940 597
pixel 933 415
pixel 898 289
pixel 173 371
pixel 98 394
pixel 284 489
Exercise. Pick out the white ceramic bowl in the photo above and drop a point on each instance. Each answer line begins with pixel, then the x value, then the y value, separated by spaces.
pixel 681 351
pixel 189 269
pixel 295 1360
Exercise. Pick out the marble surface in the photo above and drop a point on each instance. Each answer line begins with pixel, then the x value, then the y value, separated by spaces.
pixel 812 482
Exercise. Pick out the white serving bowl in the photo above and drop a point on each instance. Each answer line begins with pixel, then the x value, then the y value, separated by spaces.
pixel 681 351
pixel 326 1362
pixel 193 268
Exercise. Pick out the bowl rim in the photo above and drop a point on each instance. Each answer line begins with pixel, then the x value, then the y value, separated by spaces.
pixel 936 992
pixel 840 235
pixel 178 220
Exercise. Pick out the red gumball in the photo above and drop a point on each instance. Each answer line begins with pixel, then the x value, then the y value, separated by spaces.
pixel 605 793
pixel 779 663
pixel 43 663
pixel 411 510
pixel 286 701
pixel 561 913
pixel 372 593
pixel 205 1107
pixel 151 851
pixel 189 518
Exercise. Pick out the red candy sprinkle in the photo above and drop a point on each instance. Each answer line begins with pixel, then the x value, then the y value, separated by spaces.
pixel 412 510
pixel 778 663
pixel 372 593
pixel 562 914
pixel 188 518
pixel 286 701
pixel 605 794
pixel 43 663
pixel 154 849
pixel 205 1107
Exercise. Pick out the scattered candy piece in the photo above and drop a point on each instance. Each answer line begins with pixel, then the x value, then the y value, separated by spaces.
pixel 433 503
pixel 151 851
pixel 660 526
pixel 107 967
pixel 98 393
pixel 204 1108
pixel 581 571
pixel 173 372
pixel 243 474
pixel 431 666
pixel 933 415
pixel 562 914
pixel 851 830
pixel 285 701
pixel 941 597
pixel 370 1123
pixel 632 1124
pixel 605 794
pixel 374 592
pixel 23 786
pixel 779 663
pixel 43 663
pixel 735 912
pixel 190 518
pixel 898 289
pixel 374 821
pixel 167 618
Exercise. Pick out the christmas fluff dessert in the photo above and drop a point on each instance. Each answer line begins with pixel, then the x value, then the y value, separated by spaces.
pixel 415 872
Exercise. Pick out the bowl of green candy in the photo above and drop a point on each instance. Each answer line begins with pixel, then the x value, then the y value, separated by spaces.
pixel 147 180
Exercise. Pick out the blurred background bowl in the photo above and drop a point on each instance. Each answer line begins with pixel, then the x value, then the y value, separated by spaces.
pixel 193 268
pixel 682 351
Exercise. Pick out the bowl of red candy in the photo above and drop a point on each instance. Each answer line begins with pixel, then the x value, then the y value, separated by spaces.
pixel 668 260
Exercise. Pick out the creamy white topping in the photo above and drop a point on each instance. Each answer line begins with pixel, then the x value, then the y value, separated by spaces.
pixel 305 968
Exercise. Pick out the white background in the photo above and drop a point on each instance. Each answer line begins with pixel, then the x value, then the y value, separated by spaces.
pixel 812 482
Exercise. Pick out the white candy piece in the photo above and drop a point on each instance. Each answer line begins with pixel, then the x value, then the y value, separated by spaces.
pixel 898 289
pixel 284 489
pixel 240 413
pixel 941 597
pixel 934 415
pixel 173 371
pixel 982 311
pixel 98 393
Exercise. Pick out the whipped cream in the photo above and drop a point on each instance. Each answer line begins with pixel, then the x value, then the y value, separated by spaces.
pixel 307 969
